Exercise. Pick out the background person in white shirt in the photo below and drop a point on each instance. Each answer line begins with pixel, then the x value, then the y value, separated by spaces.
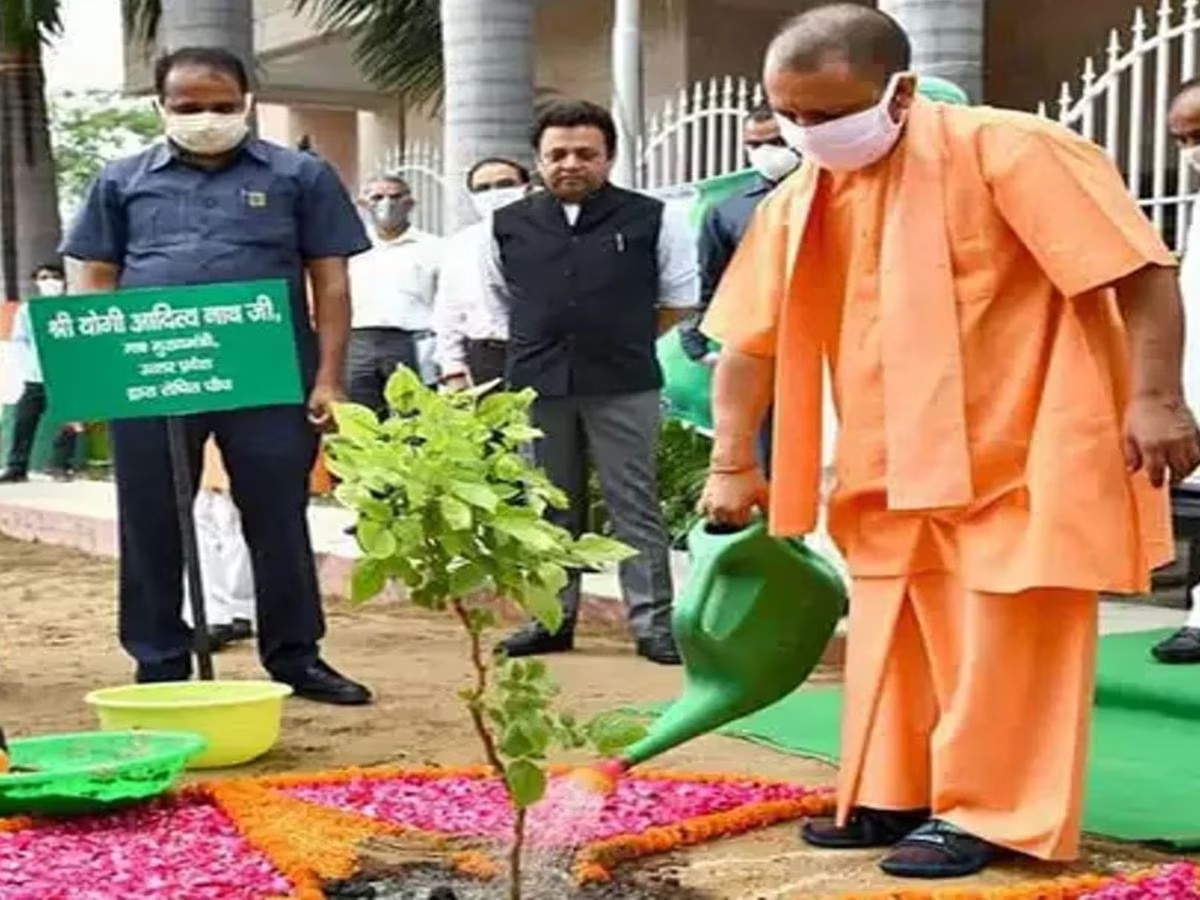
pixel 51 281
pixel 392 288
pixel 1184 121
pixel 471 327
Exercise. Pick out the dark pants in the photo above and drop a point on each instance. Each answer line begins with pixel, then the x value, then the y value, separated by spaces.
pixel 1185 515
pixel 269 454
pixel 487 360
pixel 764 442
pixel 618 434
pixel 372 359
pixel 27 416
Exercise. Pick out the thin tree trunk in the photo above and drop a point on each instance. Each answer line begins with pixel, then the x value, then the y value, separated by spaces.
pixel 487 50
pixel 30 224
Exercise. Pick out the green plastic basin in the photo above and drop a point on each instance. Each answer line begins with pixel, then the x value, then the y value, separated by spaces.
pixel 77 774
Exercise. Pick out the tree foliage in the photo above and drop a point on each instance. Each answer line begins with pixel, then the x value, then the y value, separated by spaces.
pixel 397 43
pixel 450 506
pixel 89 129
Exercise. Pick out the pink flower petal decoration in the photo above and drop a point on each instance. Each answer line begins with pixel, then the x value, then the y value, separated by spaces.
pixel 171 850
pixel 1174 882
pixel 473 806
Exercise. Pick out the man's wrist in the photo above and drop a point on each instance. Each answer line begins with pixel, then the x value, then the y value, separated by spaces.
pixel 329 378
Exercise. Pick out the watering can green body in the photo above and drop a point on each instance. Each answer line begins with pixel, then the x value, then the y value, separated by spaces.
pixel 752 623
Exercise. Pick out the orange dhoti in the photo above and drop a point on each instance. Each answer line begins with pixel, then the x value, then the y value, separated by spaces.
pixel 975 705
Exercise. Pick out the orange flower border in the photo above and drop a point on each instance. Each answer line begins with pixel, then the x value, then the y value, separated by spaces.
pixel 310 844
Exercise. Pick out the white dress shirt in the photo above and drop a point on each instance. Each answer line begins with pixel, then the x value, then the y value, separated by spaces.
pixel 393 284
pixel 464 310
pixel 22 345
pixel 678 261
pixel 1189 283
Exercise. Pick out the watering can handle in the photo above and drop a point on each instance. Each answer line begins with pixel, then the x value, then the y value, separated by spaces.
pixel 706 530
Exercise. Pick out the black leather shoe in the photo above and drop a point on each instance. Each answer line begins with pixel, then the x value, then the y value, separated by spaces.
pixel 534 640
pixel 13 476
pixel 659 649
pixel 321 683
pixel 221 636
pixel 1181 648
pixel 865 829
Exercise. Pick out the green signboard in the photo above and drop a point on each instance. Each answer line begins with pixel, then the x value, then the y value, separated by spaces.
pixel 167 351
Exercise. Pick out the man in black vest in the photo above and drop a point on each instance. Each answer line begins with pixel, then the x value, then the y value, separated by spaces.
pixel 589 274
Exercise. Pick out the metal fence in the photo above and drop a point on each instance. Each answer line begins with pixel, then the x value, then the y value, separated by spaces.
pixel 1124 108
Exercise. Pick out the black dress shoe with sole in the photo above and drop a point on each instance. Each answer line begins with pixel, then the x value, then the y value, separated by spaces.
pixel 321 683
pixel 12 476
pixel 865 829
pixel 534 640
pixel 661 649
pixel 221 636
pixel 1181 648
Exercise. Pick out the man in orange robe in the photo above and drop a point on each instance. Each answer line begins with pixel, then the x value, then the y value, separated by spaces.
pixel 1004 333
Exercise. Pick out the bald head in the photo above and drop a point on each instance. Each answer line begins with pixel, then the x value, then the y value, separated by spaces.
pixel 1183 119
pixel 868 42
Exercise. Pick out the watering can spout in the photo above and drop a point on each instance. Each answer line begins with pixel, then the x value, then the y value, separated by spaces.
pixel 752 623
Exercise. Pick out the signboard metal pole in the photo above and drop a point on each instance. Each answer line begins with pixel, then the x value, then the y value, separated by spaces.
pixel 184 498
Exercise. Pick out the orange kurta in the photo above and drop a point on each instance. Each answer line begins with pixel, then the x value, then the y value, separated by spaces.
pixel 1036 224
pixel 960 290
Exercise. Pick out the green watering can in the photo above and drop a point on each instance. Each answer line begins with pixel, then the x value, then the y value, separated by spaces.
pixel 753 622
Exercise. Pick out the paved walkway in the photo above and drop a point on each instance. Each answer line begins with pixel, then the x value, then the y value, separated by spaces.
pixel 82 515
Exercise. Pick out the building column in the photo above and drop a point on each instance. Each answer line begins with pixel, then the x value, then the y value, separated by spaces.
pixel 627 87
pixel 380 137
pixel 333 134
pixel 947 38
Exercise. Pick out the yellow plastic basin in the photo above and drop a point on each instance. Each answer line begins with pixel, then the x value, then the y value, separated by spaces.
pixel 239 719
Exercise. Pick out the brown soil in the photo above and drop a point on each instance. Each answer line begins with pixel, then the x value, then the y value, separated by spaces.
pixel 58 641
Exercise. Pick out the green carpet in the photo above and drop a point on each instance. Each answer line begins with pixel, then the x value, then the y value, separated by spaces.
pixel 1144 772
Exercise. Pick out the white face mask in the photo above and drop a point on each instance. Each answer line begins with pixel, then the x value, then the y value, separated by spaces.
pixel 774 163
pixel 487 202
pixel 1191 156
pixel 51 287
pixel 207 133
pixel 851 142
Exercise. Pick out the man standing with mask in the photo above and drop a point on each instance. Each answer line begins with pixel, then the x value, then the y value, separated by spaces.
pixel 392 288
pixel 773 160
pixel 51 282
pixel 1183 647
pixel 1004 332
pixel 590 274
pixel 213 204
pixel 472 331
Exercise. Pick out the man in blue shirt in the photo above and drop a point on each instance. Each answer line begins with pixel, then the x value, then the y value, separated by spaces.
pixel 773 160
pixel 214 204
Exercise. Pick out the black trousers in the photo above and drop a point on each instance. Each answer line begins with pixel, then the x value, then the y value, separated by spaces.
pixel 27 416
pixel 269 455
pixel 1185 515
pixel 487 360
pixel 371 360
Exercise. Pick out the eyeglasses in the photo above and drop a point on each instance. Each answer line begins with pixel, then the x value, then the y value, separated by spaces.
pixel 773 142
pixel 496 185
pixel 376 198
